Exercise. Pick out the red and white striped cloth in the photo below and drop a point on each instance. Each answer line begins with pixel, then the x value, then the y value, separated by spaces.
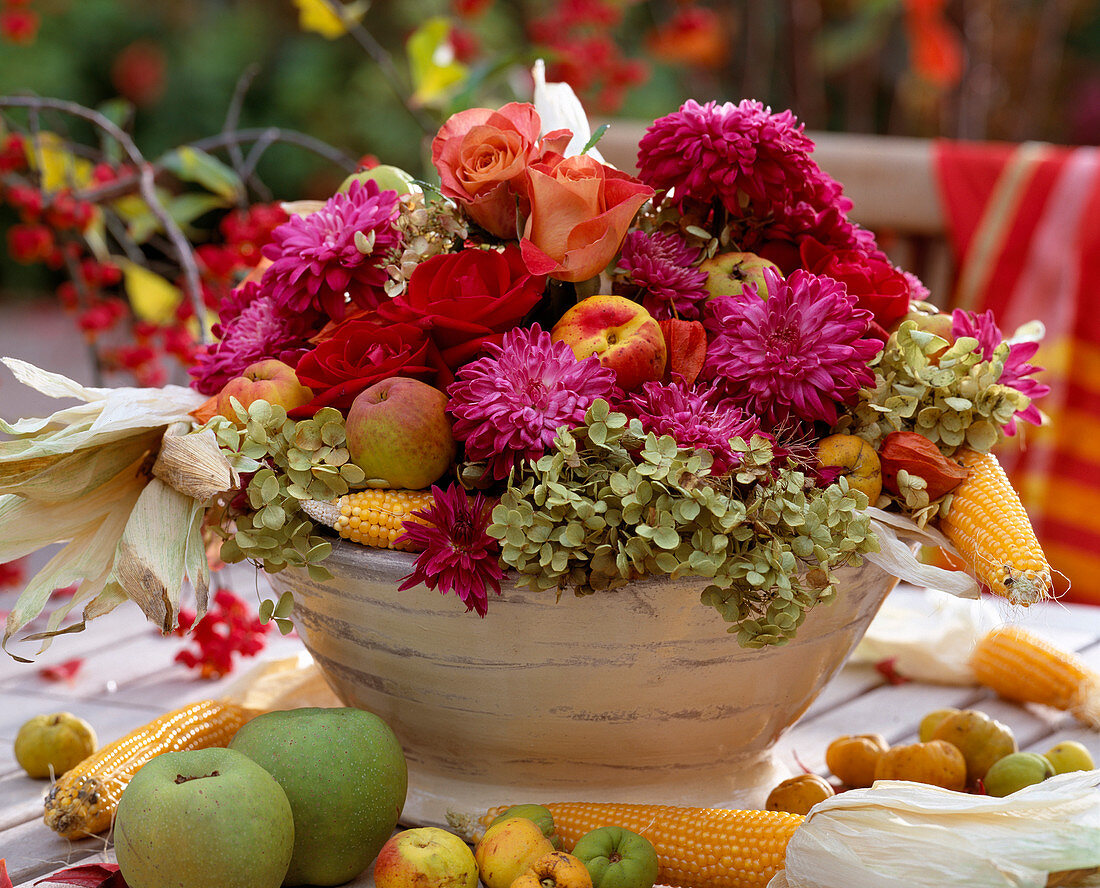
pixel 1024 223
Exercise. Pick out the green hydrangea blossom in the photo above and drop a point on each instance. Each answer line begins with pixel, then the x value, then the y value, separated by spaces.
pixel 610 504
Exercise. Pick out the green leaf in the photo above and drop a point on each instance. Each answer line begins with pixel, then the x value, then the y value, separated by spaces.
pixel 266 610
pixel 285 605
pixel 596 136
pixel 195 165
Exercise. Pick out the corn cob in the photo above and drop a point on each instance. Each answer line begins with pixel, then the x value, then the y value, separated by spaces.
pixel 83 801
pixel 371 517
pixel 1021 666
pixel 988 526
pixel 696 847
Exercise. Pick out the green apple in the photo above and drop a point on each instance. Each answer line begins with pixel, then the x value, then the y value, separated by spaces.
pixel 617 858
pixel 345 775
pixel 389 178
pixel 399 433
pixel 49 745
pixel 1015 771
pixel 203 818
pixel 417 858
pixel 729 273
pixel 1069 755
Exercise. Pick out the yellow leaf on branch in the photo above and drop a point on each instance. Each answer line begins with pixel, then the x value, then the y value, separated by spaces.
pixel 151 296
pixel 317 16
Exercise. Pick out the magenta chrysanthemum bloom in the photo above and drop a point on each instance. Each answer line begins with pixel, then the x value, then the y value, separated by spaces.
pixel 318 258
pixel 726 153
pixel 792 356
pixel 661 264
pixel 457 553
pixel 252 327
pixel 697 417
pixel 1017 371
pixel 509 404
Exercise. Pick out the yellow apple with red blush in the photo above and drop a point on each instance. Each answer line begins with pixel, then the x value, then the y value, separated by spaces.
pixel 271 380
pixel 621 333
pixel 729 273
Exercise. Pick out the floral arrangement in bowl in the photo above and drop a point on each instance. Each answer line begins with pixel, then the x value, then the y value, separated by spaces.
pixel 547 366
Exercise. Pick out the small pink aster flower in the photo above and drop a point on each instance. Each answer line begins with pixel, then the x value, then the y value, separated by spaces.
pixel 316 259
pixel 1017 371
pixel 662 265
pixel 792 356
pixel 696 417
pixel 726 153
pixel 252 327
pixel 509 404
pixel 456 551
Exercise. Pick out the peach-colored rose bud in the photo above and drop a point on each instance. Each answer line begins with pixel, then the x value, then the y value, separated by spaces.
pixel 580 213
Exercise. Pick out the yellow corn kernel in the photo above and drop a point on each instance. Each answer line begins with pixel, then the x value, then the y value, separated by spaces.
pixel 696 847
pixel 83 801
pixel 377 517
pixel 988 526
pixel 1022 667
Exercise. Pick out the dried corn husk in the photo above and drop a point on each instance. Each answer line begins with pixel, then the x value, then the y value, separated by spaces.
pixel 896 534
pixel 194 464
pixel 907 835
pixel 81 477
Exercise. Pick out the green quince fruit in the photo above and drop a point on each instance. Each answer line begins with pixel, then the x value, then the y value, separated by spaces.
pixel 345 775
pixel 618 858
pixel 49 745
pixel 1015 771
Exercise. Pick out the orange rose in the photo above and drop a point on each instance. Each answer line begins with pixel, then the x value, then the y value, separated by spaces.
pixel 482 158
pixel 580 212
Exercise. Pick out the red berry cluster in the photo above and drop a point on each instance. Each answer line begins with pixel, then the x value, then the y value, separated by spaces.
pixel 18 22
pixel 51 232
pixel 228 628
pixel 584 52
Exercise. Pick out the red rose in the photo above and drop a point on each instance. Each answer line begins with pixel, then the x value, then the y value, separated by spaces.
pixel 482 158
pixel 580 213
pixel 466 299
pixel 880 288
pixel 362 351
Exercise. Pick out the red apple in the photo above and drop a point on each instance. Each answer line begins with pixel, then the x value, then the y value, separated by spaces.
pixel 620 332
pixel 399 433
pixel 429 856
pixel 271 380
pixel 729 273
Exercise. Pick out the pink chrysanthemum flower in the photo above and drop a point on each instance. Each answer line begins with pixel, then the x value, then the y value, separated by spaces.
pixel 661 264
pixel 340 249
pixel 509 404
pixel 696 417
pixel 1017 371
pixel 457 553
pixel 252 327
pixel 792 356
pixel 726 153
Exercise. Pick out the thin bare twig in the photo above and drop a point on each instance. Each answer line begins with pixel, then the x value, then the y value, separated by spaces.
pixel 232 121
pixel 384 61
pixel 147 187
pixel 126 184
